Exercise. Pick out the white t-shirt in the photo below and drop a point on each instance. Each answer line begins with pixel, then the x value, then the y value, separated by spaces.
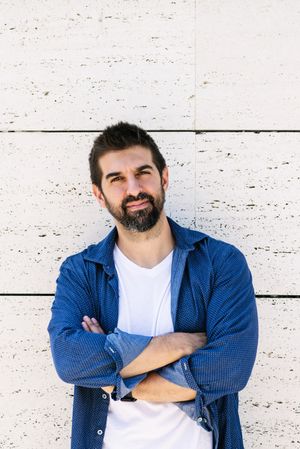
pixel 145 309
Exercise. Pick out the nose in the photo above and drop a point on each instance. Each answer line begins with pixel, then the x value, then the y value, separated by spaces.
pixel 133 186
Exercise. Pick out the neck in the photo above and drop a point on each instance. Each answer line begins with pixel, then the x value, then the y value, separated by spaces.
pixel 149 248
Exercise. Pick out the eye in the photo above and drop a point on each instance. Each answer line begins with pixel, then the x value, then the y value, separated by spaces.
pixel 144 172
pixel 117 178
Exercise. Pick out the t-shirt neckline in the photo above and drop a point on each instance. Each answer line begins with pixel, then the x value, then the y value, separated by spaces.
pixel 154 270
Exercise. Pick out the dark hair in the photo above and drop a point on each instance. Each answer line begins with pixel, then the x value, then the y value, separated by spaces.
pixel 120 137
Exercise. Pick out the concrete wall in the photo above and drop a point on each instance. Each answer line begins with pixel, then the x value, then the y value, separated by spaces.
pixel 217 85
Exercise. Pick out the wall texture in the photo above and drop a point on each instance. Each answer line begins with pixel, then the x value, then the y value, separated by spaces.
pixel 217 85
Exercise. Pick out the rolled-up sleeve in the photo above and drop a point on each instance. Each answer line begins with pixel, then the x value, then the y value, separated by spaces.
pixel 84 358
pixel 128 347
pixel 224 365
pixel 175 373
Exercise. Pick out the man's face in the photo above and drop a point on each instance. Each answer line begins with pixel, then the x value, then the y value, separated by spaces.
pixel 132 189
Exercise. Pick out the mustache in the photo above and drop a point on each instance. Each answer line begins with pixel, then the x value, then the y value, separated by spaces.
pixel 139 197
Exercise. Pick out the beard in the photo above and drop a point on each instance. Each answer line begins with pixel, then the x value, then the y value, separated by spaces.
pixel 139 220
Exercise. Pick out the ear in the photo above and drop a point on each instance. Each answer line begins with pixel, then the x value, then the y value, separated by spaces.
pixel 98 195
pixel 165 178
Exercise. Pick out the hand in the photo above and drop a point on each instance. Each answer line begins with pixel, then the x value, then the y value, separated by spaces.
pixel 91 325
pixel 196 341
pixel 186 342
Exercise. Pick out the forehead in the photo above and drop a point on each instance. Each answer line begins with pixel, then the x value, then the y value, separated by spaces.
pixel 122 160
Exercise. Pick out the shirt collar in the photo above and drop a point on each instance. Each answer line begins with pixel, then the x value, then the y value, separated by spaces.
pixel 102 252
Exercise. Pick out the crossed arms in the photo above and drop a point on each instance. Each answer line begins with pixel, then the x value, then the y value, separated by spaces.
pixel 207 371
pixel 161 351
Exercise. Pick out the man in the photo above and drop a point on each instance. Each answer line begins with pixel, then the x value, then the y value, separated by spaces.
pixel 156 325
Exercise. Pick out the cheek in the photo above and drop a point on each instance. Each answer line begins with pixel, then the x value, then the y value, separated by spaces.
pixel 116 195
pixel 119 192
pixel 113 190
pixel 151 184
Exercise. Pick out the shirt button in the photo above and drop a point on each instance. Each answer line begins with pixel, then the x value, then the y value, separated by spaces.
pixel 104 396
pixel 99 432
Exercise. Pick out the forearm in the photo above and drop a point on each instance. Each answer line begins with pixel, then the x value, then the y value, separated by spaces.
pixel 161 351
pixel 157 389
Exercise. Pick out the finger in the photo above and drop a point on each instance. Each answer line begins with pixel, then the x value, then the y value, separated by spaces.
pixel 90 321
pixel 97 325
pixel 95 322
pixel 85 326
pixel 93 325
pixel 88 324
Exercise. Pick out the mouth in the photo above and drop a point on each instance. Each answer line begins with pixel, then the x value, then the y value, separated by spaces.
pixel 136 205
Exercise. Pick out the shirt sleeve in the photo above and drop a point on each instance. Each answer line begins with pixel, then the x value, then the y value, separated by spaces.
pixel 128 347
pixel 224 365
pixel 85 358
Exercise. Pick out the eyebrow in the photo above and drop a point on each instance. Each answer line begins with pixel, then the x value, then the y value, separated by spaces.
pixel 138 169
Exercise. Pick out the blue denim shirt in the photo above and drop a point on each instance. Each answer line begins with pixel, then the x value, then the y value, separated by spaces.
pixel 211 291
